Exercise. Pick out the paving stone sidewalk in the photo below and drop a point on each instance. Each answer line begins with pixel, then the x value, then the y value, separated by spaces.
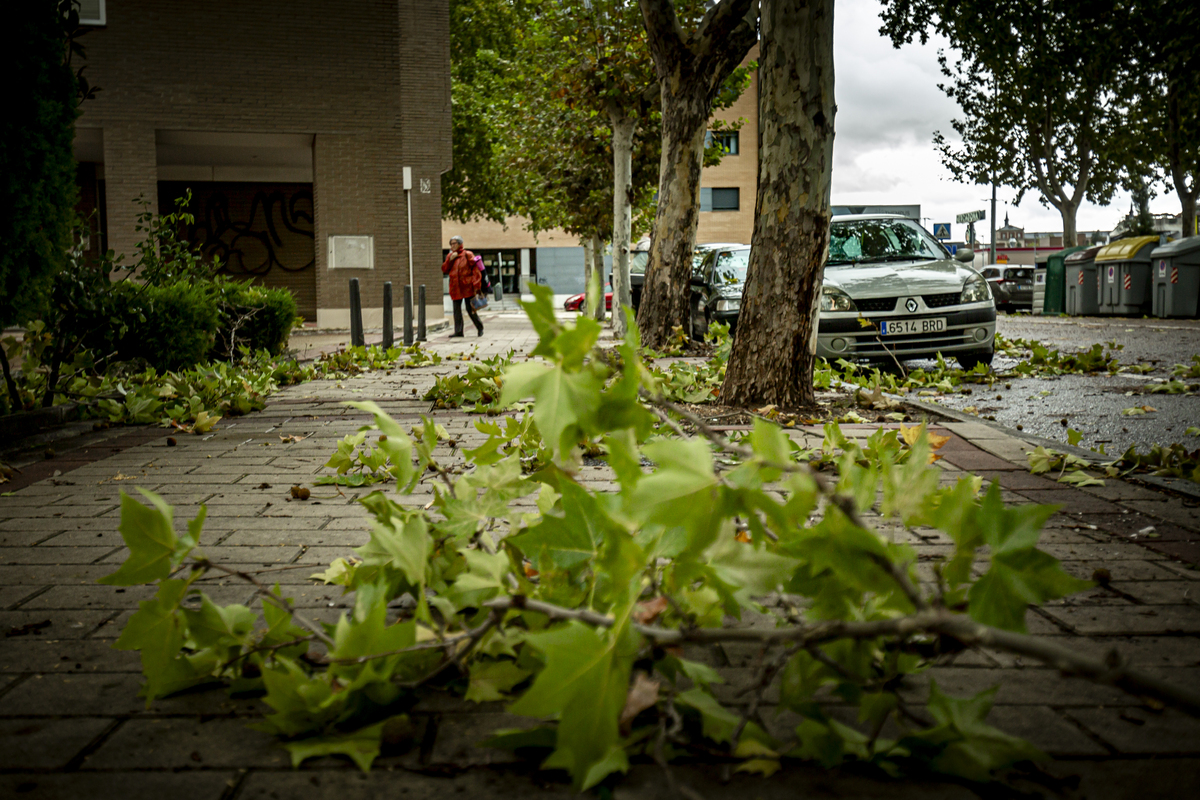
pixel 72 725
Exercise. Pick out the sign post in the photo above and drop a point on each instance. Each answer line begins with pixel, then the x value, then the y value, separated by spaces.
pixel 941 230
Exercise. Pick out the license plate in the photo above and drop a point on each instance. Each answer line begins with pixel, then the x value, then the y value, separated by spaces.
pixel 902 326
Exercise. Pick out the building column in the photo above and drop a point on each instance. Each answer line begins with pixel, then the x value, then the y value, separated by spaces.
pixel 130 172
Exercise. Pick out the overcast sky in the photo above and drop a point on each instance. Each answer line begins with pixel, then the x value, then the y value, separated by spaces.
pixel 888 106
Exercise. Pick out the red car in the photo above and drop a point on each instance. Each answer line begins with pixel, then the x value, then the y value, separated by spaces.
pixel 575 302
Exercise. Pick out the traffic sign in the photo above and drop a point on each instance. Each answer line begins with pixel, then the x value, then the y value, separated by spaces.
pixel 941 230
pixel 971 216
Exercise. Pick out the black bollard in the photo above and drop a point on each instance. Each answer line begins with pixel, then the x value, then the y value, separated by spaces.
pixel 408 330
pixel 421 313
pixel 356 328
pixel 388 332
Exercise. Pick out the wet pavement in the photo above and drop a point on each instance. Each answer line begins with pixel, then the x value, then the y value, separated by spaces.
pixel 1093 404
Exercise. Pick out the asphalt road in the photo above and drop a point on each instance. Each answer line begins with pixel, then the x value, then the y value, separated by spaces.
pixel 1092 404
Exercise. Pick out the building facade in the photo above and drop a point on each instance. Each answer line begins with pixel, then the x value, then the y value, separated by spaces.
pixel 290 124
pixel 515 257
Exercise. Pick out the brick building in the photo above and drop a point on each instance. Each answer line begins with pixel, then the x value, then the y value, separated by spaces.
pixel 290 123
pixel 554 258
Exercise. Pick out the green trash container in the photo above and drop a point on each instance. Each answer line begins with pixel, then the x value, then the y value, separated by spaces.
pixel 1175 269
pixel 1054 301
pixel 1125 275
pixel 1082 295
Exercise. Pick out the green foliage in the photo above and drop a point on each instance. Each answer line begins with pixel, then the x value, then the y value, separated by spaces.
pixel 37 164
pixel 169 327
pixel 480 386
pixel 574 610
pixel 1036 85
pixel 253 317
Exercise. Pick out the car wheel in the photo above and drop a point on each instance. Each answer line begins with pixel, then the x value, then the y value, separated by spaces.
pixel 968 360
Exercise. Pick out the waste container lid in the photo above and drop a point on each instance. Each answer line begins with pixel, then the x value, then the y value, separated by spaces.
pixel 1135 248
pixel 1177 248
pixel 1084 255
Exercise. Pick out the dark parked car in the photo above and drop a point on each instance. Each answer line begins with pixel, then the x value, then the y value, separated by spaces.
pixel 1011 286
pixel 718 277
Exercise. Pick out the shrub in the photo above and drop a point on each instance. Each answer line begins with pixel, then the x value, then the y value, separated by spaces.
pixel 254 317
pixel 171 327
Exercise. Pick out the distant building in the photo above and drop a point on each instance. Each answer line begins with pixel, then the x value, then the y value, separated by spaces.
pixel 289 122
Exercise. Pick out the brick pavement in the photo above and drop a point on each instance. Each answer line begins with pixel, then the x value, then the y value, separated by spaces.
pixel 72 724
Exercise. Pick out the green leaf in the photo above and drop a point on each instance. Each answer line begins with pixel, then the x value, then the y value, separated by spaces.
pixel 717 722
pixel 157 630
pixel 490 680
pixel 149 533
pixel 570 537
pixel 361 746
pixel 584 684
pixel 399 538
pixel 1014 580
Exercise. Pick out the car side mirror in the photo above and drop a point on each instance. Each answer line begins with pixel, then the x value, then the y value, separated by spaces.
pixel 697 280
pixel 964 255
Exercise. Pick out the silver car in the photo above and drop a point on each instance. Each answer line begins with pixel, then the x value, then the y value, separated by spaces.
pixel 892 290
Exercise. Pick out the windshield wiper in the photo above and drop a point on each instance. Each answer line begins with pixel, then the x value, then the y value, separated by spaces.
pixel 894 257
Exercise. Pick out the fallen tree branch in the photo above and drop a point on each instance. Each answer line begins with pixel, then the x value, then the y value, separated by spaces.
pixel 934 621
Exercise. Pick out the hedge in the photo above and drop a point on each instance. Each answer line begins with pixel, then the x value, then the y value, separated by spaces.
pixel 255 317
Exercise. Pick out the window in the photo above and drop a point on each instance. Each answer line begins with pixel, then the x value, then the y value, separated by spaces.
pixel 725 199
pixel 93 12
pixel 726 140
pixel 719 199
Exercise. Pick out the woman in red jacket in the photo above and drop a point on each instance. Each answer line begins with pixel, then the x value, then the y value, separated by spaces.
pixel 464 283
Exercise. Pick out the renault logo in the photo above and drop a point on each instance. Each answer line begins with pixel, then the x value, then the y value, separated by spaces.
pixel 911 305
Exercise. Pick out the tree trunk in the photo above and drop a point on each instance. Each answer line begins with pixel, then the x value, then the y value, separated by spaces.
pixel 775 348
pixel 1188 201
pixel 690 73
pixel 1070 235
pixel 10 385
pixel 598 268
pixel 622 144
pixel 588 300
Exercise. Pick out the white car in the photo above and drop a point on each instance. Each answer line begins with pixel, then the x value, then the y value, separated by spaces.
pixel 892 290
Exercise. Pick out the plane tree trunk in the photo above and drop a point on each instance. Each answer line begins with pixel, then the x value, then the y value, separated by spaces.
pixel 622 140
pixel 691 70
pixel 775 347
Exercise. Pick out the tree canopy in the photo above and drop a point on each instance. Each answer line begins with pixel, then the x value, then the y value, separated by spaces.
pixel 37 165
pixel 1036 81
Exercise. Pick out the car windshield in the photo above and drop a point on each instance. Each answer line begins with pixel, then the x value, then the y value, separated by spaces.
pixel 731 267
pixel 638 261
pixel 871 241
pixel 1019 274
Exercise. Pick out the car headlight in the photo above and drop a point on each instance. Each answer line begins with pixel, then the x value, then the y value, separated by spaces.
pixel 975 290
pixel 729 304
pixel 834 299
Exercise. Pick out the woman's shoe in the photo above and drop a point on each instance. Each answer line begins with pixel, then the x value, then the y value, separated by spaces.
pixel 456 336
pixel 480 329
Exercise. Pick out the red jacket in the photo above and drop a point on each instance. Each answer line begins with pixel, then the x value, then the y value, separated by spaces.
pixel 464 276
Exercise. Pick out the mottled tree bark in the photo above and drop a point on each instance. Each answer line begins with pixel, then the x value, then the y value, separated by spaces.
pixel 691 70
pixel 622 141
pixel 598 267
pixel 588 271
pixel 775 348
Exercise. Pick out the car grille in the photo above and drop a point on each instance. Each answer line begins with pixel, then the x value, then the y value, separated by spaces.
pixel 942 300
pixel 867 344
pixel 876 304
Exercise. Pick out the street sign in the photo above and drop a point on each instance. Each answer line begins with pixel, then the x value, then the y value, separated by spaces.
pixel 970 216
pixel 941 230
